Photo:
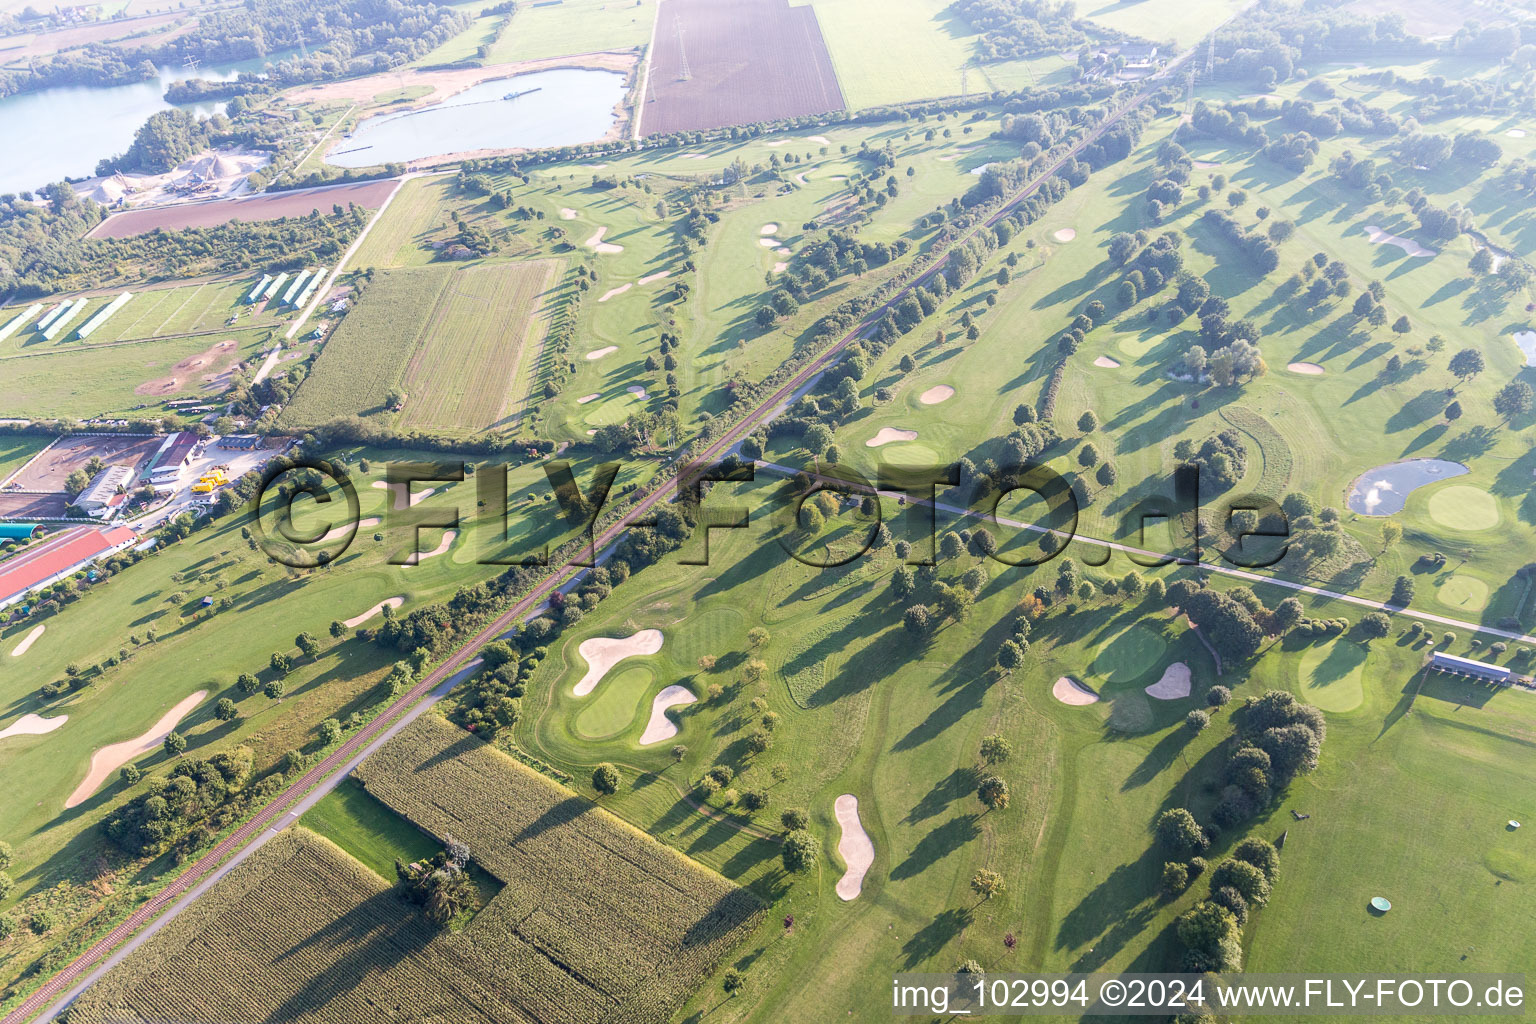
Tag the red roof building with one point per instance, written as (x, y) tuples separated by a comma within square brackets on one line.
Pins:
[(57, 557)]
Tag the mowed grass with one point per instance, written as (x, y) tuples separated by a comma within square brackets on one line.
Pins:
[(1183, 23), (487, 322), (362, 826), (16, 449), (151, 313), (574, 26), (418, 216)]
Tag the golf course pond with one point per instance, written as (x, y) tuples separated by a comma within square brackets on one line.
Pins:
[(545, 109), (1384, 490)]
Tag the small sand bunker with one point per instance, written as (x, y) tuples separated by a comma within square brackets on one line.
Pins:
[(27, 641), (648, 278), (770, 243), (1408, 245), (780, 267), (358, 620), (592, 433), (768, 229), (1174, 685), (1307, 369), (109, 759), (342, 531), (417, 557), (660, 727), (853, 846), (601, 653), (889, 434), (838, 177), (32, 725), (567, 213), (800, 178), (1070, 691), (781, 251), (584, 399), (598, 353), (404, 498), (1516, 133), (1065, 235), (820, 140), (637, 391), (610, 293), (1106, 362), (936, 394), (596, 243)]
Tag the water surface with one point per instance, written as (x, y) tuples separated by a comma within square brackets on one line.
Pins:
[(1384, 490)]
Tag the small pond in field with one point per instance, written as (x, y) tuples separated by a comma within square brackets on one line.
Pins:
[(545, 109), (1384, 490)]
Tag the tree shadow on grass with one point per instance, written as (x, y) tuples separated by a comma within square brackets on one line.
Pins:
[(931, 939), (939, 843), (1112, 912)]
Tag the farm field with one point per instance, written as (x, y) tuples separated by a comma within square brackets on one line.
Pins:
[(1164, 21), (272, 206), (402, 237), (576, 26)]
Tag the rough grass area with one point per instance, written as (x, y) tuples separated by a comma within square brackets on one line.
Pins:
[(367, 830)]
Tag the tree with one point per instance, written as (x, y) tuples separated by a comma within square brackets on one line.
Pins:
[(992, 791), (131, 774), (679, 752), (794, 819), (1197, 720), (1179, 833), (175, 744), (1211, 938), (1375, 625), (307, 645), (1009, 656), (1401, 325), (1453, 411), (757, 636), (281, 664), (1261, 853), (1391, 533), (995, 750), (1466, 364), (1088, 457), (605, 779), (274, 689), (247, 683), (1247, 879), (732, 981), (1218, 696), (1087, 423), (225, 710), (987, 883), (338, 629), (1514, 399), (800, 852), (1175, 878), (917, 620), (1402, 592)]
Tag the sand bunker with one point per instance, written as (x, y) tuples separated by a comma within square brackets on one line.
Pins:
[(1106, 362), (936, 394), (781, 251), (770, 243), (109, 759), (820, 140), (889, 434), (567, 214), (603, 652), (768, 229), (1516, 133), (416, 557), (637, 391), (660, 727), (1070, 691), (27, 641), (610, 293), (853, 846), (32, 725), (358, 620), (1174, 685), (1408, 245), (648, 278), (1309, 369), (1527, 342), (596, 243), (780, 267), (598, 353), (584, 399), (404, 498), (800, 179), (342, 531), (1064, 235)]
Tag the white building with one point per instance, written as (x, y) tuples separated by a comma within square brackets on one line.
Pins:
[(104, 488)]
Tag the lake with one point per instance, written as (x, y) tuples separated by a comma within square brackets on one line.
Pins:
[(565, 107), (63, 132), (1384, 490)]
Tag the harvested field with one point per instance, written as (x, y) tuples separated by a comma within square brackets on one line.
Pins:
[(52, 466), (201, 369), (299, 203), (750, 60)]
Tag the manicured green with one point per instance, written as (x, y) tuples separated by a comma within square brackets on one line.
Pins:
[(352, 819)]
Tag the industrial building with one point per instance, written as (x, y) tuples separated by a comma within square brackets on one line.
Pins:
[(172, 455), (1442, 662), (57, 558), (103, 488)]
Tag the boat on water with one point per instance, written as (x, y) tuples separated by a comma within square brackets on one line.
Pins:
[(524, 92)]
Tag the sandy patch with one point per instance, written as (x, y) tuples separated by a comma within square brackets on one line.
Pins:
[(1408, 245), (769, 243), (27, 641), (417, 557), (853, 846), (1065, 235), (584, 399), (889, 434), (660, 727), (598, 353), (110, 758), (404, 498), (566, 213), (820, 140), (1174, 685), (358, 620), (768, 229), (648, 278), (601, 653), (781, 251), (1070, 691), (1307, 369), (594, 167), (33, 725), (637, 391), (342, 531), (610, 293), (596, 243), (780, 267), (936, 394), (800, 178), (1105, 362), (1516, 133), (183, 371), (592, 433)]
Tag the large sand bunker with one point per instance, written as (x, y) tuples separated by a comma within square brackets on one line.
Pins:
[(1070, 691), (1516, 133), (770, 243), (853, 846), (1408, 245), (936, 394), (780, 267), (1065, 235), (109, 759), (404, 498), (598, 353), (584, 399), (417, 557), (768, 229), (27, 641), (648, 278), (889, 434), (358, 620), (596, 243), (601, 653), (1106, 363), (32, 725), (1306, 369), (1174, 685), (611, 292), (566, 213), (342, 531), (660, 727)]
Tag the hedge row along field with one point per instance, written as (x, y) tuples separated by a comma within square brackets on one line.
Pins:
[(596, 922), (636, 925)]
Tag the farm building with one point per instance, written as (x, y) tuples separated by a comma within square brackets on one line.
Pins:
[(19, 320), (242, 442), (57, 558), (103, 488), (89, 327), (19, 531), (261, 286), (171, 457), (1443, 662), (275, 286), (52, 315), (1139, 53), (314, 283), (294, 287), (62, 320)]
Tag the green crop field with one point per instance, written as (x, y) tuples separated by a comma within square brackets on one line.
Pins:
[(575, 26), (416, 217)]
